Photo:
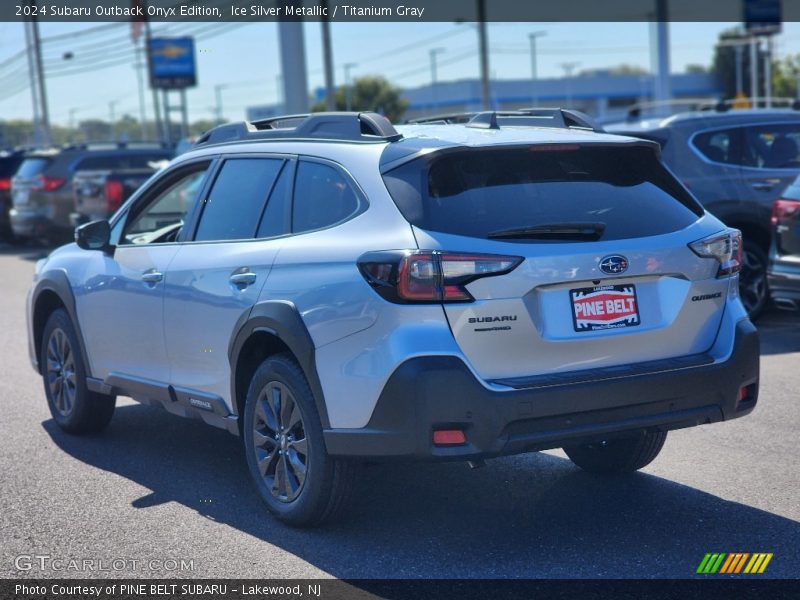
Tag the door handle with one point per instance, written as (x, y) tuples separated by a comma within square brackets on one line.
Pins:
[(242, 280), (762, 187), (152, 277)]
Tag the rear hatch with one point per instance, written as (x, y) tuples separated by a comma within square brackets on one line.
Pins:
[(605, 274), (30, 178), (786, 220)]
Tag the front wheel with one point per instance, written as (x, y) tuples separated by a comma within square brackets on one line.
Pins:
[(74, 407), (620, 455), (286, 456)]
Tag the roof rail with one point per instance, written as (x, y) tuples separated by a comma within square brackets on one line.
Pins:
[(536, 117), (445, 119), (344, 126)]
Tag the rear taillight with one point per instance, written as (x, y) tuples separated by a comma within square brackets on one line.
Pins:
[(47, 184), (424, 276), (113, 195), (5, 184), (725, 247), (784, 209)]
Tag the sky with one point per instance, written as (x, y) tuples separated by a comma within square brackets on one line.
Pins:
[(244, 59)]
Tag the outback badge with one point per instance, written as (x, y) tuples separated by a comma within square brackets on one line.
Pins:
[(614, 264)]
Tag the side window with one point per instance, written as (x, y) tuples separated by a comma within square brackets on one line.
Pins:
[(772, 146), (275, 220), (237, 198), (161, 219), (322, 197), (720, 146), (101, 162)]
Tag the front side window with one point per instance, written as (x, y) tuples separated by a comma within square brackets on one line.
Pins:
[(162, 217), (322, 197), (234, 205)]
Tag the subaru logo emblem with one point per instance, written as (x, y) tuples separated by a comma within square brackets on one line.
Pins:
[(614, 264)]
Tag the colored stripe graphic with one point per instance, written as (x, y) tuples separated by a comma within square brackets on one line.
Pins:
[(732, 563)]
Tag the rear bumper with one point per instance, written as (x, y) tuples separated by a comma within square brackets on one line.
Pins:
[(440, 392), (783, 277), (36, 223)]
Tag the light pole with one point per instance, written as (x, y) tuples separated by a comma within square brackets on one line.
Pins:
[(569, 67), (434, 52), (348, 92), (112, 118), (534, 71), (483, 48), (218, 95)]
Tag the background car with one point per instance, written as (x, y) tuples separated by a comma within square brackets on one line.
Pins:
[(784, 256), (42, 187), (9, 163), (735, 163)]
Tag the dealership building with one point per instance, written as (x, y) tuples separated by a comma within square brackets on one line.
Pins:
[(604, 95)]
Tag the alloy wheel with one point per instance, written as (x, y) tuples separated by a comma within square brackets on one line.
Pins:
[(61, 378), (279, 442), (752, 281)]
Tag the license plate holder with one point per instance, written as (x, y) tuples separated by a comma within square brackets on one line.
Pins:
[(604, 307)]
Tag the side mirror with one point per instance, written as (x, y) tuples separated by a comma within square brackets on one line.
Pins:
[(93, 236)]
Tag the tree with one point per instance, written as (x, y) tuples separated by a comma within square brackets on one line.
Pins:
[(786, 77), (696, 69), (371, 93)]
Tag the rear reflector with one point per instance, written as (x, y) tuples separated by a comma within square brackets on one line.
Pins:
[(449, 437)]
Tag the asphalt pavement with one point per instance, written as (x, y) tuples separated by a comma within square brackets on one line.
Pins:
[(155, 490)]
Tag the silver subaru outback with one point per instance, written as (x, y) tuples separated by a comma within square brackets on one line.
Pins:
[(332, 289)]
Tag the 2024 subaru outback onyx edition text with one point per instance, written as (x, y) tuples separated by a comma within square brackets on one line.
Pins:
[(331, 289)]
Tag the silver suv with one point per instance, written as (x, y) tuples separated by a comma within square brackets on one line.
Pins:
[(333, 289)]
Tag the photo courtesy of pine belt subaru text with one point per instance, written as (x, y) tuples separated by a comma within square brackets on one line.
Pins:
[(334, 289)]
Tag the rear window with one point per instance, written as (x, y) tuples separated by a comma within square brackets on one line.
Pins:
[(477, 192), (31, 167), (9, 165)]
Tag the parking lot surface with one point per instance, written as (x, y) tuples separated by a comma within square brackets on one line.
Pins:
[(156, 490)]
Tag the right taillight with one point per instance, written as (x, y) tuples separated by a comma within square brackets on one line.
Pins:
[(784, 209), (114, 193), (726, 247), (423, 276), (5, 184)]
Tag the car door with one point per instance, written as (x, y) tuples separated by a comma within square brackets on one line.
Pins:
[(216, 277), (120, 306), (771, 161)]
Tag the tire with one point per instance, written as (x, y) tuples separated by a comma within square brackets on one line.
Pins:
[(74, 407), (753, 289), (621, 455), (299, 483)]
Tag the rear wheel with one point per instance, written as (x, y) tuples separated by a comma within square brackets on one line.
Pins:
[(753, 279), (620, 455), (74, 407), (286, 456)]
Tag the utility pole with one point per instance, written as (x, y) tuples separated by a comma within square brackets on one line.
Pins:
[(660, 30), (38, 134), (160, 125), (739, 70), (434, 87), (218, 95), (768, 72), (534, 71), (36, 47), (112, 121), (140, 84), (483, 45), (754, 70), (293, 64), (327, 59), (348, 91)]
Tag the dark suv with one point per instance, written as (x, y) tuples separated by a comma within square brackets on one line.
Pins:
[(736, 163), (42, 187), (9, 163)]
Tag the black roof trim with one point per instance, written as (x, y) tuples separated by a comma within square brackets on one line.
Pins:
[(337, 126)]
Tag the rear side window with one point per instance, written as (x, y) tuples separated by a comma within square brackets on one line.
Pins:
[(478, 192), (322, 197), (31, 167), (234, 205), (723, 146)]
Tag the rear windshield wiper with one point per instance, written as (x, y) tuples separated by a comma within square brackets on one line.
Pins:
[(552, 231)]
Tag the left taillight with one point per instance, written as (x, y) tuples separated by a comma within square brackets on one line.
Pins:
[(430, 276), (5, 184), (783, 209), (114, 195), (726, 247)]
